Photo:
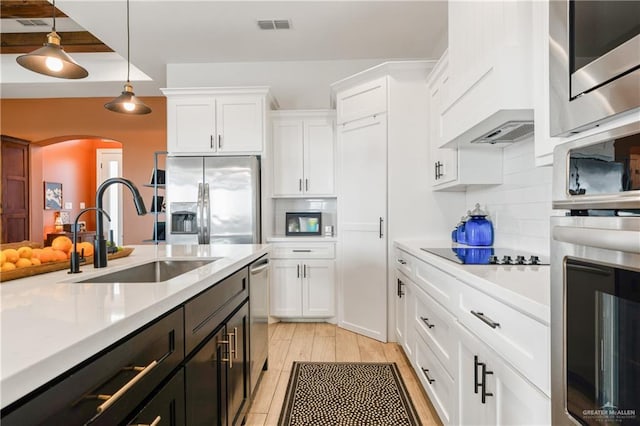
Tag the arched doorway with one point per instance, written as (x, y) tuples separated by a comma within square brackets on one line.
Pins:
[(71, 162)]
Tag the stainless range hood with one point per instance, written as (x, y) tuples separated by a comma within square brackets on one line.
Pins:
[(505, 126)]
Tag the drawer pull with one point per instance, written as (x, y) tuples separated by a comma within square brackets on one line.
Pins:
[(301, 250), (425, 371), (402, 262), (426, 321), (155, 422), (110, 399), (482, 317)]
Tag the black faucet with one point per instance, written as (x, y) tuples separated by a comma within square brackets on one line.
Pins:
[(75, 257), (100, 249)]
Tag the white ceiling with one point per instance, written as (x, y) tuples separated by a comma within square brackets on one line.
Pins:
[(206, 31)]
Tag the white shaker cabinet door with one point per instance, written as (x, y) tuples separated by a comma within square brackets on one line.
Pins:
[(319, 148), (239, 121), (318, 288), (286, 288), (191, 125), (287, 157), (362, 210)]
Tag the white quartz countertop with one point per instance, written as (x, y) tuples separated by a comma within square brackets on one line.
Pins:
[(524, 287), (50, 322), (285, 239)]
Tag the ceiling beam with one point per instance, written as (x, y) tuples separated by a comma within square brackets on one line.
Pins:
[(73, 41), (28, 9)]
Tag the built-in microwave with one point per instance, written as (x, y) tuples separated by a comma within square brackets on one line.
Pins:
[(594, 63), (303, 223)]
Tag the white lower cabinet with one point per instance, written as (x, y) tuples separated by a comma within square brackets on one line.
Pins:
[(473, 373), (303, 287), (491, 392)]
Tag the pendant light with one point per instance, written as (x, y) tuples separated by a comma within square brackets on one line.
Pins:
[(127, 102), (51, 59)]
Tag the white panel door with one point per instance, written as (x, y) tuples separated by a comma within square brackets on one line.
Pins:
[(286, 288), (318, 285), (191, 125), (362, 209), (287, 157), (319, 157), (239, 122)]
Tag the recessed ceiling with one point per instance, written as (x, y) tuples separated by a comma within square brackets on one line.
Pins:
[(205, 31)]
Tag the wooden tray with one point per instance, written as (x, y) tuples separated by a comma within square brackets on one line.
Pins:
[(55, 266)]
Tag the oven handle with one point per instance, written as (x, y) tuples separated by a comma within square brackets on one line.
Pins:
[(619, 240)]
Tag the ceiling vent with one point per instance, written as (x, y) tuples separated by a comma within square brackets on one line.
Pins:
[(33, 22), (274, 24)]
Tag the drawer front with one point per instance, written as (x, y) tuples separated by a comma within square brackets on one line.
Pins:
[(137, 365), (166, 408), (440, 387), (403, 262), (362, 101), (519, 339), (204, 313), (437, 328), (439, 285), (304, 251)]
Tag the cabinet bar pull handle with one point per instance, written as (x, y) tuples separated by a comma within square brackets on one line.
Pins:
[(304, 271), (476, 364), (399, 288), (300, 185), (426, 321), (219, 141), (211, 141), (402, 262), (229, 358), (301, 250), (232, 350), (235, 342), (485, 394), (435, 170), (155, 422), (143, 371), (485, 319), (298, 267), (381, 221), (425, 371), (306, 184)]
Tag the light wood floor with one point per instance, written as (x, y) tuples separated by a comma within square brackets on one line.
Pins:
[(290, 342)]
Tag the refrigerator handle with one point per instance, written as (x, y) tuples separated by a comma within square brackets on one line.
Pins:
[(199, 213), (206, 234)]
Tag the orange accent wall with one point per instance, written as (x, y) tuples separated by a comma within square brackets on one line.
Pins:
[(46, 121)]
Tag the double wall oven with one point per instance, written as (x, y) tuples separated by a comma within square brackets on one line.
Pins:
[(595, 280)]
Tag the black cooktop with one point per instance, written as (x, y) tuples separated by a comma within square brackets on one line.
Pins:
[(488, 256)]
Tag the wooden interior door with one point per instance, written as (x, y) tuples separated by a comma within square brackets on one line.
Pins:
[(14, 209)]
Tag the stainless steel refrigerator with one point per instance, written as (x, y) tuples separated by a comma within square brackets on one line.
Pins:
[(213, 200)]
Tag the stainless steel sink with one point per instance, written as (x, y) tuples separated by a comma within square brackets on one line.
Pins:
[(152, 272)]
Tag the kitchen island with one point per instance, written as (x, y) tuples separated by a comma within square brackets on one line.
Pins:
[(52, 322)]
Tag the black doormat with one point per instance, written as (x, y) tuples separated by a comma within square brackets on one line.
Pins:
[(347, 394)]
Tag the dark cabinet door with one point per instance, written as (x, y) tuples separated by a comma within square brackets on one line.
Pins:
[(206, 382), (238, 380), (166, 408), (14, 208)]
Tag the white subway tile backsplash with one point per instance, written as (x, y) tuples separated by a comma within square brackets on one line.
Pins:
[(521, 206)]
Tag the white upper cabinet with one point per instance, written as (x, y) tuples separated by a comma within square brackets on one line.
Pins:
[(455, 169), (216, 121), (365, 100), (490, 70), (303, 153)]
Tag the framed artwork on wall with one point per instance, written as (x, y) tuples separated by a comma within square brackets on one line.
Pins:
[(52, 196)]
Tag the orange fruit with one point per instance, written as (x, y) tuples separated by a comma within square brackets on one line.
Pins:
[(46, 256), (35, 253), (87, 246), (59, 255), (3, 258), (25, 252), (8, 266), (62, 243), (11, 255), (23, 263), (35, 261)]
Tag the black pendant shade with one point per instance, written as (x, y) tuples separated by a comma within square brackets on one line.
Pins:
[(128, 103)]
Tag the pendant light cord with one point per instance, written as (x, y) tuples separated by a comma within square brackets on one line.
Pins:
[(128, 44), (54, 16)]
